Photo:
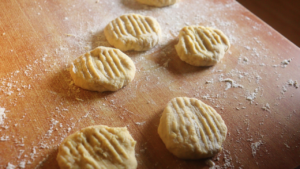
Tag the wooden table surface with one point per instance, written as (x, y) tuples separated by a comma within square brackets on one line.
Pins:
[(39, 39)]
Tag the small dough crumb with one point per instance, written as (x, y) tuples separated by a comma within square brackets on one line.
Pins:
[(2, 115), (10, 166), (231, 84), (255, 146)]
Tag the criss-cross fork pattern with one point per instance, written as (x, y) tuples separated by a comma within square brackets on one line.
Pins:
[(93, 145)]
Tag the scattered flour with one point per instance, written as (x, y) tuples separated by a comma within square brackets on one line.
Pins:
[(252, 96), (4, 138), (52, 125), (231, 84), (140, 123), (22, 164), (227, 160), (2, 115), (287, 146), (255, 147), (33, 153), (284, 89), (206, 97), (10, 166)]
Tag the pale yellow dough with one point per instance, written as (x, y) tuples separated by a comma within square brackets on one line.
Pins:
[(133, 32), (98, 147), (191, 129), (201, 46), (157, 3), (102, 69)]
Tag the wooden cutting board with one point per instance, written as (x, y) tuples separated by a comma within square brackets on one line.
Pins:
[(39, 39)]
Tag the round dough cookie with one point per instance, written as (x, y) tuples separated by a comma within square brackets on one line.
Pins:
[(201, 46), (98, 147), (133, 32), (102, 69), (158, 3), (191, 129)]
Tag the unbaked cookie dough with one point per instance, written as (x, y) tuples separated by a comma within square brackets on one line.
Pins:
[(102, 69), (201, 46), (133, 32), (98, 147), (158, 3), (191, 129)]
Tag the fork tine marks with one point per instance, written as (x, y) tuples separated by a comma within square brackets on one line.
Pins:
[(100, 69)]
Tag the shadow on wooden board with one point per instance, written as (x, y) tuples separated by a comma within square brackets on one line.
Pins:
[(99, 39), (167, 57), (62, 84)]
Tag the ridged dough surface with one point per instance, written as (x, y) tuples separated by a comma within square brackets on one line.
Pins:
[(133, 32), (98, 147), (191, 129), (102, 69), (157, 3), (201, 46)]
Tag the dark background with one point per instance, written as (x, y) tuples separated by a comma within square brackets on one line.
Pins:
[(282, 15)]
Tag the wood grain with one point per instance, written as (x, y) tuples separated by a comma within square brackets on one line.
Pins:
[(39, 40)]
